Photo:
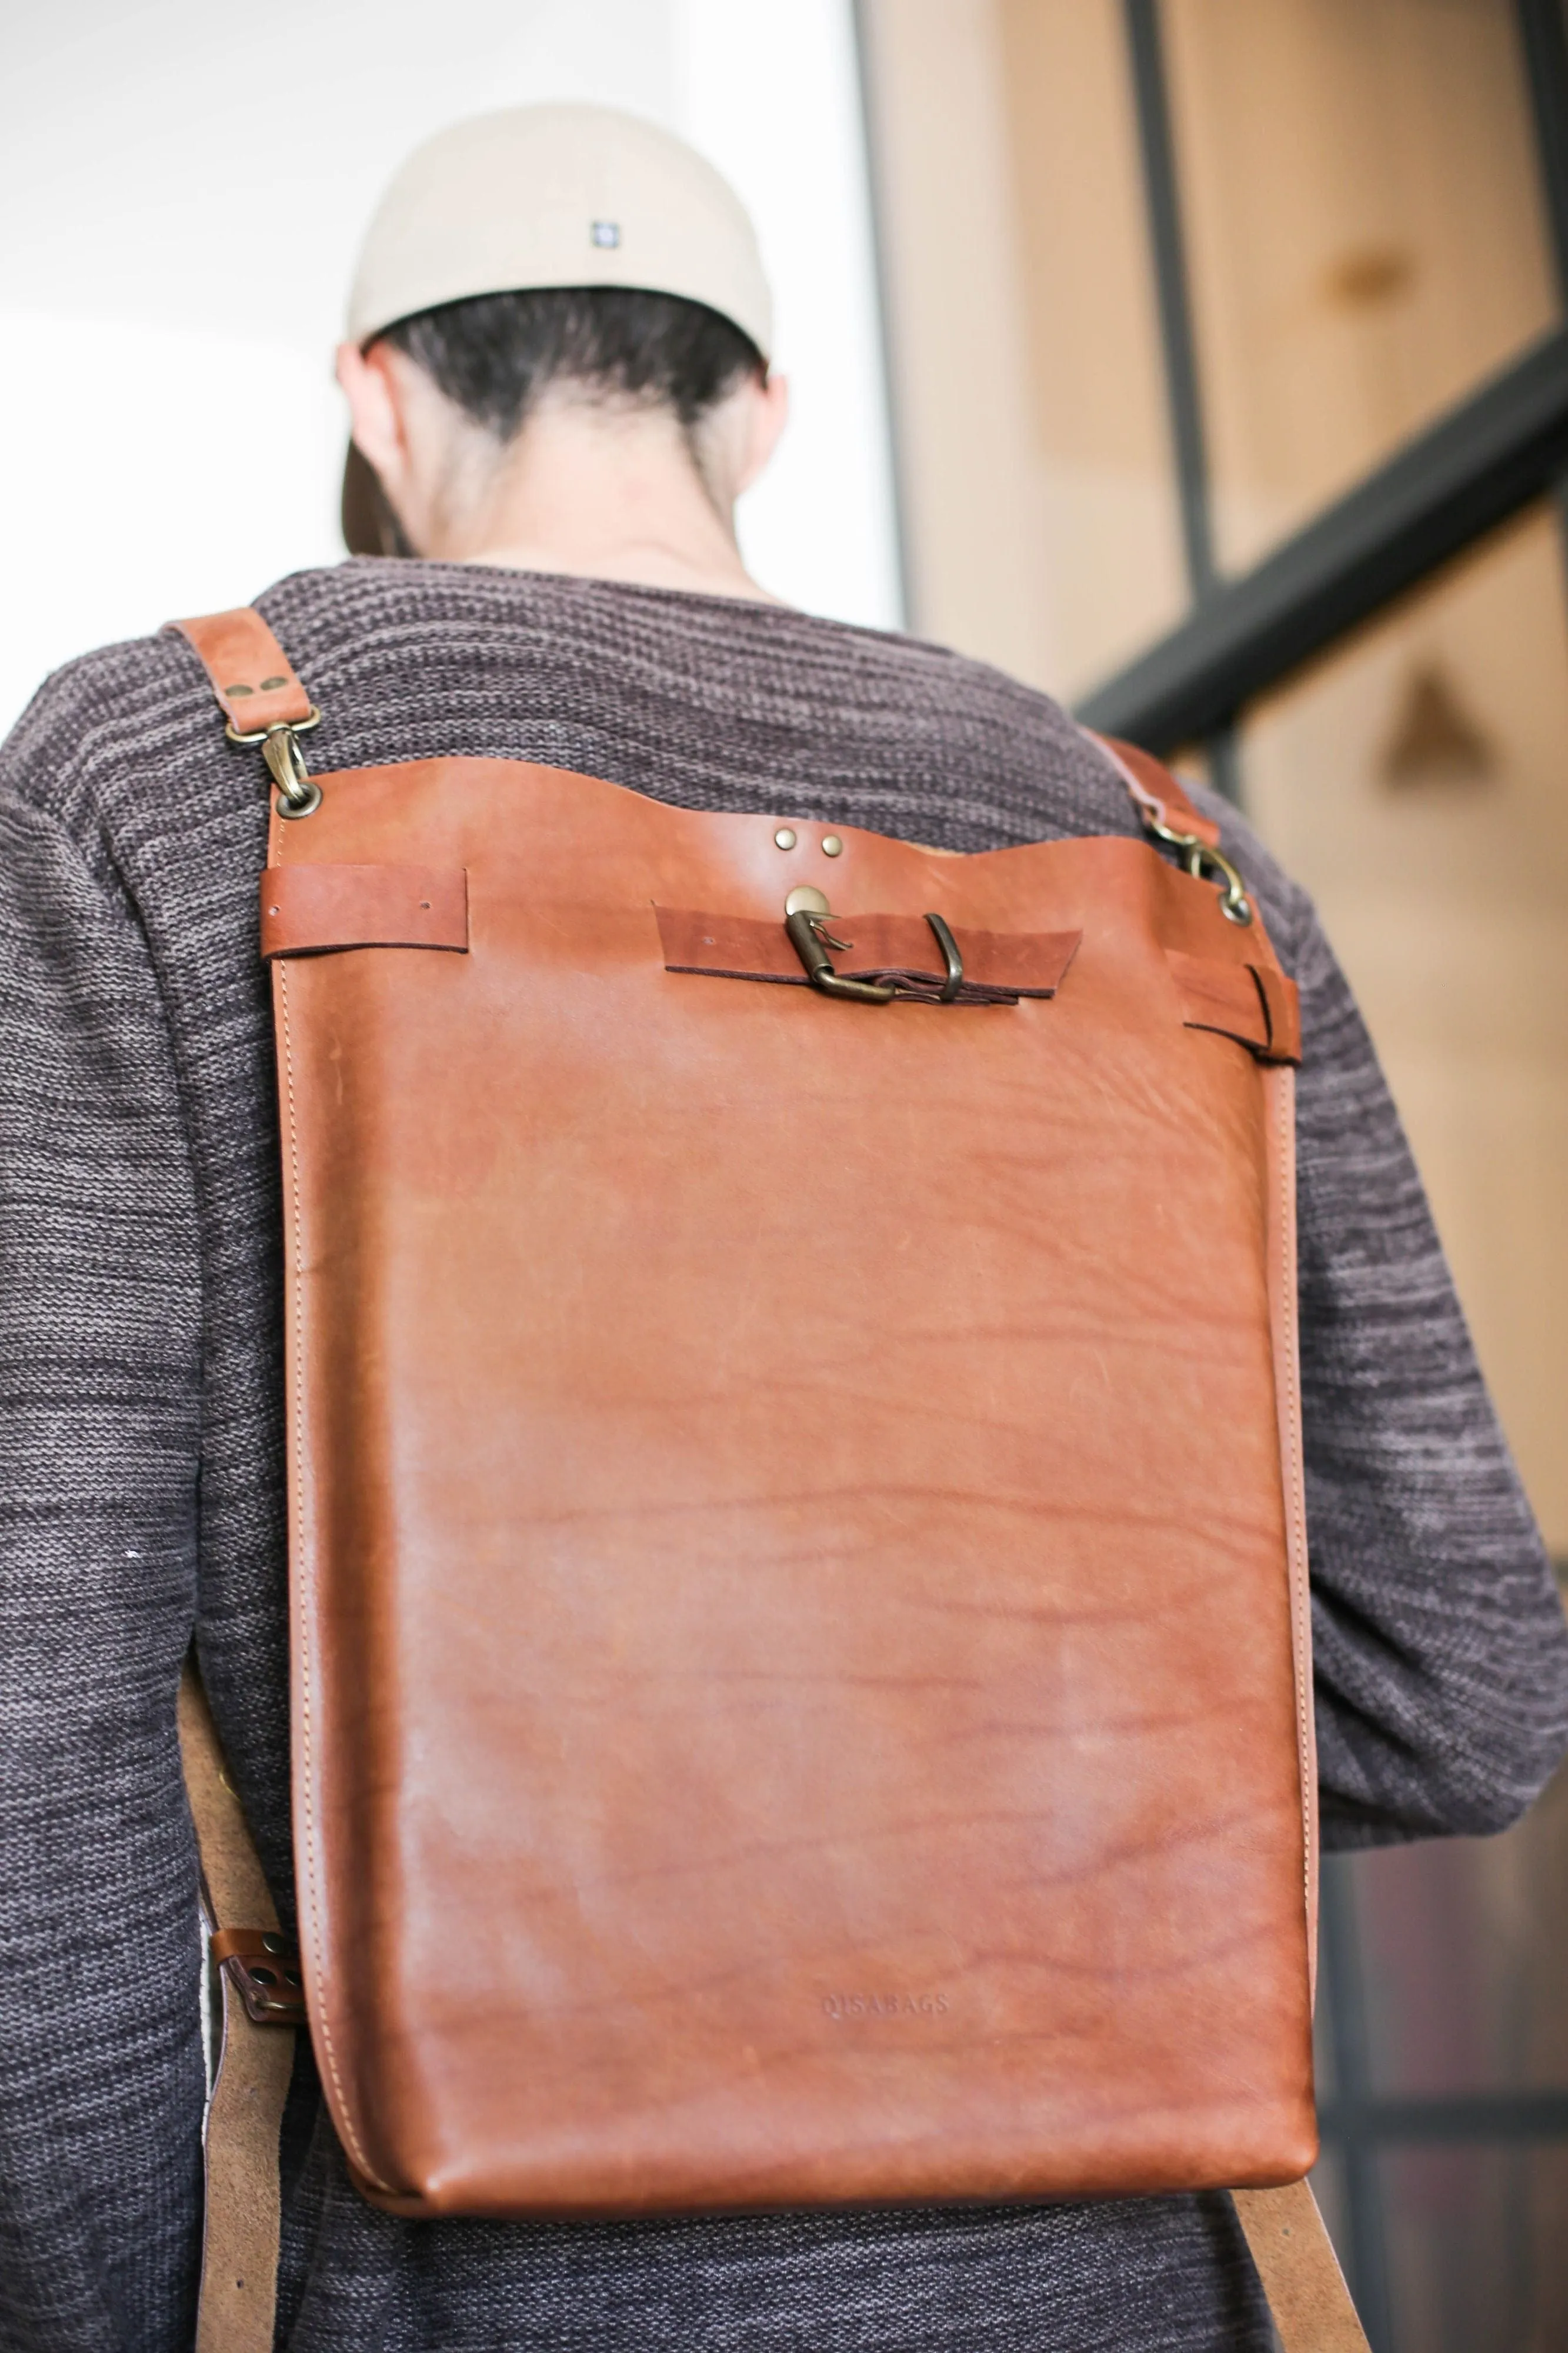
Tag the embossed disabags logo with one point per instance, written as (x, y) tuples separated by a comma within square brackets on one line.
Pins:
[(884, 2005)]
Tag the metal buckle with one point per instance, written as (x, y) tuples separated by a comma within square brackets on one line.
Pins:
[(811, 939)]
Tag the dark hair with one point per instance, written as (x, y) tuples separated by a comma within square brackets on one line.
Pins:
[(493, 354)]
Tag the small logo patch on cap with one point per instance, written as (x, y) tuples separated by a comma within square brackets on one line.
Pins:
[(604, 232)]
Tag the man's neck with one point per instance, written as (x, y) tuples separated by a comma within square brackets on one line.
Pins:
[(608, 493)]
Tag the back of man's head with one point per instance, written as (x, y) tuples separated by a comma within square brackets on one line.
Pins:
[(570, 250)]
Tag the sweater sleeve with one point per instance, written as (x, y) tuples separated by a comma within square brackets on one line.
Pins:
[(1439, 1643), (100, 2064)]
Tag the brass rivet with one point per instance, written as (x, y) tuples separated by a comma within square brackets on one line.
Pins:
[(271, 685), (786, 837), (239, 690), (805, 899), (831, 844)]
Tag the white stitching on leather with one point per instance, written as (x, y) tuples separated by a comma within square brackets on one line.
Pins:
[(297, 1291), (1295, 1496)]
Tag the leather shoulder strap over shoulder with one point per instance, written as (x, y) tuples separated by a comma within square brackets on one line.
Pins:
[(1169, 816), (261, 698), (1156, 793), (251, 675), (258, 1968)]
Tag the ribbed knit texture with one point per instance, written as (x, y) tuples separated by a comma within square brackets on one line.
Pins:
[(142, 1476)]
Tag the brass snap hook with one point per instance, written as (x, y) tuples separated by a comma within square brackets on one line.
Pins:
[(811, 940), (298, 794), (1234, 903), (1204, 862)]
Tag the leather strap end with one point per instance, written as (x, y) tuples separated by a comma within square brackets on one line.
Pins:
[(1282, 1004), (1256, 1004)]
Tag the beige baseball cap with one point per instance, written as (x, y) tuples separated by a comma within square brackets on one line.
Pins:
[(558, 196)]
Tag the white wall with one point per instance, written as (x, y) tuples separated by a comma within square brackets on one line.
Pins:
[(183, 184)]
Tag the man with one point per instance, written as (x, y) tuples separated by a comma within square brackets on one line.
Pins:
[(557, 369)]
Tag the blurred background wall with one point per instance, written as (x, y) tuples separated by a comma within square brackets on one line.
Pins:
[(183, 185), (1231, 386), (1216, 349)]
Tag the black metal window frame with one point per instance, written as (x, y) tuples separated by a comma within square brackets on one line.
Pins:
[(1477, 464)]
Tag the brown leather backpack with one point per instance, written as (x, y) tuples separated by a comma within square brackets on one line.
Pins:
[(801, 1672)]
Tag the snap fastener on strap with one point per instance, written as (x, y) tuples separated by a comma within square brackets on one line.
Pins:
[(264, 1964)]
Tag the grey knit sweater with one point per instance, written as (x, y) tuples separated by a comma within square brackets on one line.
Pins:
[(141, 1476)]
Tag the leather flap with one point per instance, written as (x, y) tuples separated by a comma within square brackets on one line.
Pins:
[(313, 910), (1254, 1004), (742, 948)]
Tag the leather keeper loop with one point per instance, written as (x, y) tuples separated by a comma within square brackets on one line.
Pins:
[(996, 966), (319, 910)]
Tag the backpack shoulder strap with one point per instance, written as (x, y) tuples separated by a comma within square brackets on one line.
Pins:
[(1156, 794), (1301, 2273), (251, 675), (260, 697), (256, 2055)]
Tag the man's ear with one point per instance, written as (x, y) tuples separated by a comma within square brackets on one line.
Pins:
[(769, 414), (376, 420)]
